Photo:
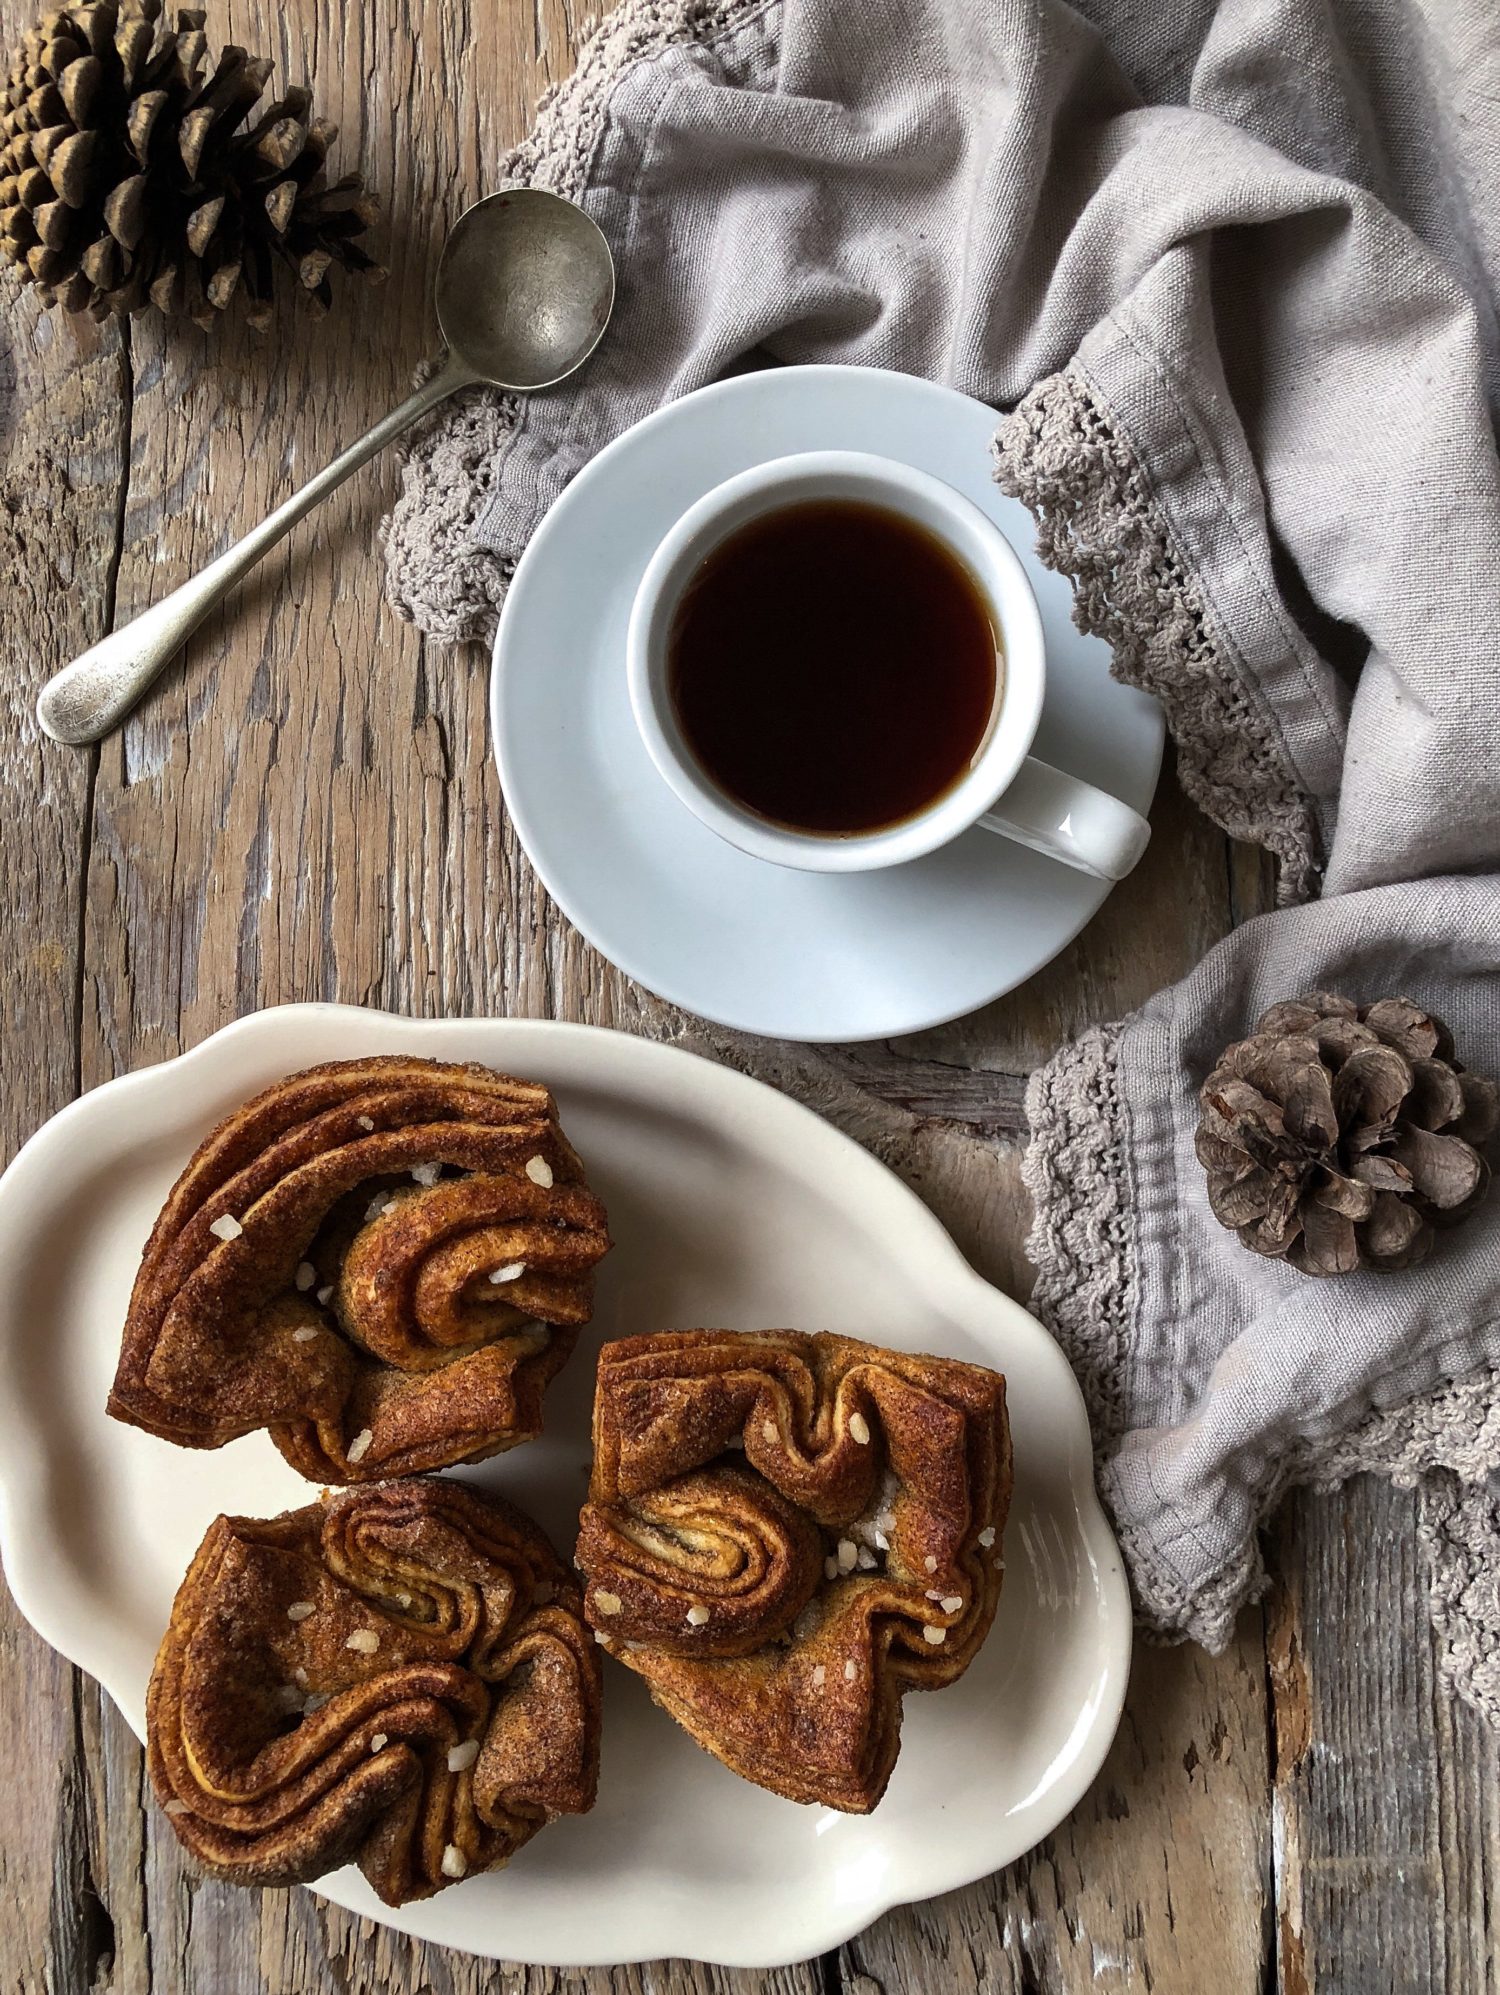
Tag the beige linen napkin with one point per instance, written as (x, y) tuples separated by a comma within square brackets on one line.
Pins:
[(1227, 272)]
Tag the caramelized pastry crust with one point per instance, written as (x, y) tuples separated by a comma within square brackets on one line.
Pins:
[(397, 1677), (383, 1261), (786, 1533)]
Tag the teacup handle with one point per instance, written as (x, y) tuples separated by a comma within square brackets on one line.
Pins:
[(1070, 820)]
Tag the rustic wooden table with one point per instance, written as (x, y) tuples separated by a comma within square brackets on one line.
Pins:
[(306, 808)]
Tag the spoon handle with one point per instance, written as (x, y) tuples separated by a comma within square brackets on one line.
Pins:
[(90, 697)]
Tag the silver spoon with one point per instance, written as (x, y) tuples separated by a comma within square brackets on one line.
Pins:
[(524, 291)]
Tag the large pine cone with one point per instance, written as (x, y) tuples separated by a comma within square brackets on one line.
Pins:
[(128, 176), (1338, 1137)]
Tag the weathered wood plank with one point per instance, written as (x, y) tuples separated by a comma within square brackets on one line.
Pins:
[(1387, 1835), (63, 455)]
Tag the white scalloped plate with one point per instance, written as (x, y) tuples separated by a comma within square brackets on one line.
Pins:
[(731, 1206)]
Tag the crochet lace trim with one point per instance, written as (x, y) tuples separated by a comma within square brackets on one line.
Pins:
[(438, 574), (1444, 1442), (1082, 1238), (1099, 524)]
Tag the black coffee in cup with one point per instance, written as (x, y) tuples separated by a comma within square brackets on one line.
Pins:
[(834, 667)]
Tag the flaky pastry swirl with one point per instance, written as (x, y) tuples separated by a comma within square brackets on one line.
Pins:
[(785, 1533), (398, 1677), (383, 1261)]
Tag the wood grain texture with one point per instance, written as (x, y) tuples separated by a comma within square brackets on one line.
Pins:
[(306, 808), (58, 511), (1385, 1789), (1154, 1881)]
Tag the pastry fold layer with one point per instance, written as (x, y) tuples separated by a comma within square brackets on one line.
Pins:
[(399, 1677), (785, 1533), (384, 1262)]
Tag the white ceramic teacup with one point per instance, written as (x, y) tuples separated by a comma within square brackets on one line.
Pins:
[(1005, 789)]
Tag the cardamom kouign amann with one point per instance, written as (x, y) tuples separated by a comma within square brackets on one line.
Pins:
[(398, 1677), (1340, 1137), (382, 1261), (786, 1533)]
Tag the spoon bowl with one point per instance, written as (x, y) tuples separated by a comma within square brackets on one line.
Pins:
[(525, 289)]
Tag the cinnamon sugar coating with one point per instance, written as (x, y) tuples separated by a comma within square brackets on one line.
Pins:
[(397, 1677), (786, 1533), (322, 1268)]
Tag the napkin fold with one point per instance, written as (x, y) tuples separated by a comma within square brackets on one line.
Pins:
[(1226, 271)]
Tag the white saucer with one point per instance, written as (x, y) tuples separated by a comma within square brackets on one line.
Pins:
[(751, 945)]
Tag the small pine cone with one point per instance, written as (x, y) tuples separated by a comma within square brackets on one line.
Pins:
[(1338, 1136), (129, 177)]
